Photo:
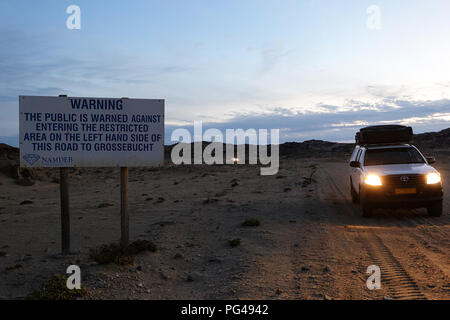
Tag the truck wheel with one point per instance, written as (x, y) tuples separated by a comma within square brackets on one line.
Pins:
[(435, 210), (355, 197), (366, 211), (365, 207)]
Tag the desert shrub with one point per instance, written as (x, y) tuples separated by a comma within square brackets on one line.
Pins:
[(160, 200), (104, 205), (252, 222), (178, 256), (210, 200), (235, 242), (115, 253), (142, 245), (56, 289), (14, 266)]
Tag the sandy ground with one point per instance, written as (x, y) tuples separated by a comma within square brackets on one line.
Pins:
[(312, 242)]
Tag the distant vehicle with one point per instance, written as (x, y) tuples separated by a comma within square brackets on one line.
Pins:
[(388, 172)]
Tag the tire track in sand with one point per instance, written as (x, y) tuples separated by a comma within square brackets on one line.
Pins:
[(400, 284)]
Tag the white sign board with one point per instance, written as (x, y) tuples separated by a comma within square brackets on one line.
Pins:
[(90, 132)]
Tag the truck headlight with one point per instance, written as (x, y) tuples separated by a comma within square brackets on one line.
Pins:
[(433, 178), (373, 180)]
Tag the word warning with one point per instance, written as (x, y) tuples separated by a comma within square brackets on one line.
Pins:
[(90, 132)]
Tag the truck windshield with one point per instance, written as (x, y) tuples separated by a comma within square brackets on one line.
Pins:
[(378, 157)]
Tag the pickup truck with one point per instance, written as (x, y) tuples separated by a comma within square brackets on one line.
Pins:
[(394, 175)]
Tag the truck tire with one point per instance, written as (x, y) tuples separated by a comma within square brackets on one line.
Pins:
[(366, 211), (366, 208), (435, 210), (355, 197)]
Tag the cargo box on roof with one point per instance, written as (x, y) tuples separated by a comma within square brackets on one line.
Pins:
[(385, 134)]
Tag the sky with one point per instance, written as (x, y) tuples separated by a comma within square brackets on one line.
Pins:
[(315, 69)]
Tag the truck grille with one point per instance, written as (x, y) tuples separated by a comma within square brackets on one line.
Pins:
[(404, 180)]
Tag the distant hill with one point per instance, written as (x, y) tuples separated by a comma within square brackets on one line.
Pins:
[(9, 156), (429, 142), (433, 140), (322, 149)]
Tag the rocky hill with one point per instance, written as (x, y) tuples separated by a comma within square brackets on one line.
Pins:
[(428, 142), (433, 140)]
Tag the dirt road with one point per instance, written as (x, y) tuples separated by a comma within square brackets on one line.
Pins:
[(411, 248), (320, 247), (312, 242)]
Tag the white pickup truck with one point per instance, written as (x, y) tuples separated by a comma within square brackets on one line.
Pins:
[(394, 175)]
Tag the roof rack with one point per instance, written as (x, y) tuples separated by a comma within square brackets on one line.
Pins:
[(368, 145), (383, 135)]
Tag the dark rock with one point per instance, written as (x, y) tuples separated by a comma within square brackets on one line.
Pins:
[(26, 182), (305, 269), (178, 256)]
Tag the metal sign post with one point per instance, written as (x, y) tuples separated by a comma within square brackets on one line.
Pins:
[(124, 218), (65, 215)]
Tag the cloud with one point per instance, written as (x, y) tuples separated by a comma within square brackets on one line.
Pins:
[(36, 65), (275, 94), (270, 56), (338, 123), (32, 63), (326, 122)]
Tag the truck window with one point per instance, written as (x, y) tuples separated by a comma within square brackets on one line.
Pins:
[(358, 156), (378, 157), (353, 157)]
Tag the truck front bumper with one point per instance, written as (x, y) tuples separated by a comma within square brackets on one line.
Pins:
[(386, 197)]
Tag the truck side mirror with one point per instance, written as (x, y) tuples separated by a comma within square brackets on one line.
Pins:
[(431, 160), (355, 164)]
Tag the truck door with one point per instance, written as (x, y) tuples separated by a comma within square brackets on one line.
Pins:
[(353, 173), (358, 175)]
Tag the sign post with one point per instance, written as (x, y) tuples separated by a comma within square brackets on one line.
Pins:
[(124, 218), (64, 132), (65, 216), (65, 213)]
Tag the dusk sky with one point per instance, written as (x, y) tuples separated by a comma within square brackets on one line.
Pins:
[(314, 68)]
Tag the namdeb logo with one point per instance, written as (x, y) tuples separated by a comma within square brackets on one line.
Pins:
[(31, 159)]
